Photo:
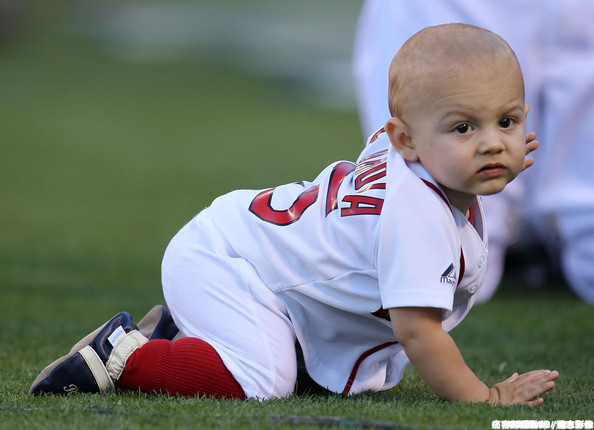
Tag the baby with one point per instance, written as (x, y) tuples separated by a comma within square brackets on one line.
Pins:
[(354, 274)]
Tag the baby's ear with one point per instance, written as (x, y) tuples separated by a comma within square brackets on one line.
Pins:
[(399, 135)]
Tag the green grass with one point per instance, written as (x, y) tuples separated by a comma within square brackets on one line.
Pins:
[(103, 161), (548, 328)]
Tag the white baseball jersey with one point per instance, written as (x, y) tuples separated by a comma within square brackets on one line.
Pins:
[(554, 42), (333, 255)]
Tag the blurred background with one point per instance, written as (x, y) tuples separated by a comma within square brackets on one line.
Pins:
[(119, 120)]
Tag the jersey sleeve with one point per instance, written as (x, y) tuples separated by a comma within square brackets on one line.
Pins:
[(418, 248)]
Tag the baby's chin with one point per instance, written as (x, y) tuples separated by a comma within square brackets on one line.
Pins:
[(497, 185), (494, 189)]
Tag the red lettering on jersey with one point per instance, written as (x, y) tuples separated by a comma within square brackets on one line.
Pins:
[(373, 159), (362, 205), (370, 175), (261, 207), (367, 171), (376, 135), (370, 169), (380, 186), (340, 171)]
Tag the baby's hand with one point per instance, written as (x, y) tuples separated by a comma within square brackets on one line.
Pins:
[(531, 145), (523, 388)]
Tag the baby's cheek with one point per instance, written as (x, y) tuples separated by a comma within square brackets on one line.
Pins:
[(516, 165)]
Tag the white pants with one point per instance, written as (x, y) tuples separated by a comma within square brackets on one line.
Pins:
[(554, 41), (215, 296)]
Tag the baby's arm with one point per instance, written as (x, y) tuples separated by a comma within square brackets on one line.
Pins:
[(434, 354)]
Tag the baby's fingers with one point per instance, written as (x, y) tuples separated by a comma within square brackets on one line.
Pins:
[(526, 388), (536, 402), (529, 162), (530, 137), (534, 384), (512, 378), (532, 146), (539, 376)]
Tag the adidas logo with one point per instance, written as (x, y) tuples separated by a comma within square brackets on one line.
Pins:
[(448, 277)]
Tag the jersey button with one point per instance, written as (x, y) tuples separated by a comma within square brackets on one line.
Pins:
[(375, 367), (481, 260), (473, 289)]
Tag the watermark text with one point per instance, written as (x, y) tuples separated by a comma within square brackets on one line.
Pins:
[(543, 424)]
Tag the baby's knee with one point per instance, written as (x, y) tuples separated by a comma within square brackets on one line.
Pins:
[(264, 383)]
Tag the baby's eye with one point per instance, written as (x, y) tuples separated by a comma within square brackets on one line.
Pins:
[(462, 128), (506, 123)]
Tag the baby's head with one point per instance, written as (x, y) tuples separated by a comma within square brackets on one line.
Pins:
[(435, 53), (457, 102)]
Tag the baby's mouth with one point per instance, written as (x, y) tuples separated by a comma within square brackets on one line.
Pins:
[(491, 170)]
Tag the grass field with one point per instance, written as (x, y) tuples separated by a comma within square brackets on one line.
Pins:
[(102, 161)]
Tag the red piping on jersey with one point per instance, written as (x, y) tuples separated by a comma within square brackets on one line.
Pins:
[(470, 215), (363, 356), (440, 194), (438, 191), (373, 350)]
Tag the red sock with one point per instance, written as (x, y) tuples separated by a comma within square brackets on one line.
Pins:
[(186, 367)]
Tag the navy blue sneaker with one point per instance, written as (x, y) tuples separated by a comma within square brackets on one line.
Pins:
[(158, 324), (95, 363)]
